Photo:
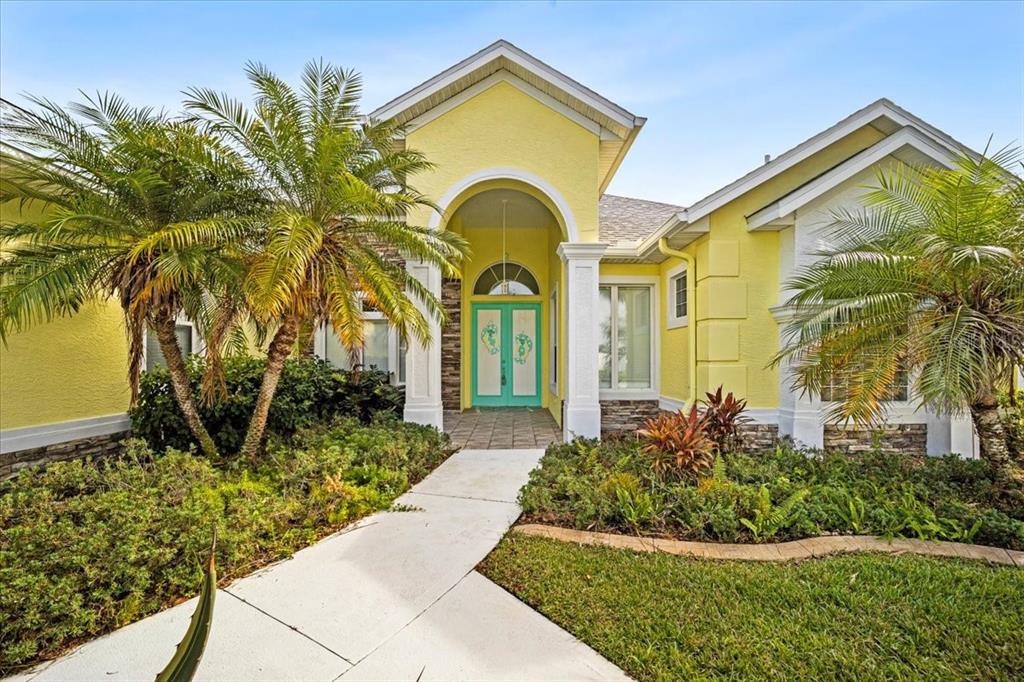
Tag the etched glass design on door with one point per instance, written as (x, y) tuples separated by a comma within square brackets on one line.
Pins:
[(524, 352), (489, 352)]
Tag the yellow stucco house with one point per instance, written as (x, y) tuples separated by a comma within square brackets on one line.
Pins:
[(598, 308)]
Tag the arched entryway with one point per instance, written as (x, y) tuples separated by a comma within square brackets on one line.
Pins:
[(508, 215), (503, 353)]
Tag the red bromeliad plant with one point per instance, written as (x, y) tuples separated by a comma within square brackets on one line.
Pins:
[(724, 416), (678, 443)]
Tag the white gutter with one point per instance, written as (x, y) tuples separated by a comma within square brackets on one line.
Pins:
[(691, 312)]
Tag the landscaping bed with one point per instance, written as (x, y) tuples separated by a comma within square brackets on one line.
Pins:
[(782, 494), (88, 546), (863, 616)]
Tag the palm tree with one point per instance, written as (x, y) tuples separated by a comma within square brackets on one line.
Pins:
[(927, 278), (123, 203), (339, 196)]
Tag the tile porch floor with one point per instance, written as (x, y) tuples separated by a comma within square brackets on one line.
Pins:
[(502, 428)]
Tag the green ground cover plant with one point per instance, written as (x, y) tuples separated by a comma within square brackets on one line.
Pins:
[(783, 494), (853, 617), (87, 546)]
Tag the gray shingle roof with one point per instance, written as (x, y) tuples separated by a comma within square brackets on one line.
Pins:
[(624, 220)]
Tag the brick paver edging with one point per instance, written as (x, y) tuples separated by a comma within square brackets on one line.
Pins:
[(782, 551)]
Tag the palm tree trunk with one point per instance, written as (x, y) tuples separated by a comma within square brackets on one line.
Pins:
[(279, 350), (307, 331), (992, 439), (163, 325)]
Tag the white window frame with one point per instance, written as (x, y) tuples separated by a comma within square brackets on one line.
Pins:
[(652, 392), (394, 357), (553, 319), (672, 321), (198, 347)]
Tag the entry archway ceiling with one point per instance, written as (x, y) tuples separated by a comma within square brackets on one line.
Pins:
[(523, 211)]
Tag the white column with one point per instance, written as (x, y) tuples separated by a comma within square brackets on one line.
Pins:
[(808, 426), (582, 410), (951, 433), (423, 363), (800, 417)]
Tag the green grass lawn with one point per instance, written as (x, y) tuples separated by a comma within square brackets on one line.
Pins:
[(858, 617)]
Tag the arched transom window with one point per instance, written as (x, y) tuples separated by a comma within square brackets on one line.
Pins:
[(506, 279)]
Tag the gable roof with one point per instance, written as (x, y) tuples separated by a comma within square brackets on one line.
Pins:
[(882, 114), (624, 221), (501, 60), (908, 144)]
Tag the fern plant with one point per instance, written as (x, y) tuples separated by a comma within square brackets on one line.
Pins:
[(769, 519)]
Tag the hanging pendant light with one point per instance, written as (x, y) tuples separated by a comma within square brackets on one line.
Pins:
[(504, 252)]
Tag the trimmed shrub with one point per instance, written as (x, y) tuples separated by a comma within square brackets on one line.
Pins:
[(311, 391)]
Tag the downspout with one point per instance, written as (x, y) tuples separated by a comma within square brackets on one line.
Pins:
[(691, 312)]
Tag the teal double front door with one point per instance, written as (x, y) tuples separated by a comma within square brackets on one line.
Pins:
[(506, 354)]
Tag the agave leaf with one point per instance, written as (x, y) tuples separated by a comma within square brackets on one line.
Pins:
[(182, 668)]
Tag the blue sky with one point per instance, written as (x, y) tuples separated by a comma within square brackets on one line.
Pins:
[(721, 84)]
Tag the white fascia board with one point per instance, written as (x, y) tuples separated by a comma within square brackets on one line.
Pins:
[(512, 53), (882, 108), (777, 215), (620, 251), (627, 144), (680, 227), (503, 76)]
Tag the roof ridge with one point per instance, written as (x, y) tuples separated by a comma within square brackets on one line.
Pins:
[(647, 201)]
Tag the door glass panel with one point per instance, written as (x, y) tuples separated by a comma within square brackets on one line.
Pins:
[(633, 324), (488, 340), (604, 353), (524, 352)]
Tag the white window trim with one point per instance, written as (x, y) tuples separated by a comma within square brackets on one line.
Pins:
[(320, 345), (553, 322), (198, 347), (671, 321), (652, 392)]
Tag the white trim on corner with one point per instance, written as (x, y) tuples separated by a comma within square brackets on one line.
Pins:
[(508, 173), (671, 320), (763, 415), (30, 437), (670, 404)]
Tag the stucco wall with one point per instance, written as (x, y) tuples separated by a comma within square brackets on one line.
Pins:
[(737, 284), (71, 368), (504, 127)]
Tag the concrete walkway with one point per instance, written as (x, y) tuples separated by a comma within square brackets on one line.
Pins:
[(391, 597)]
